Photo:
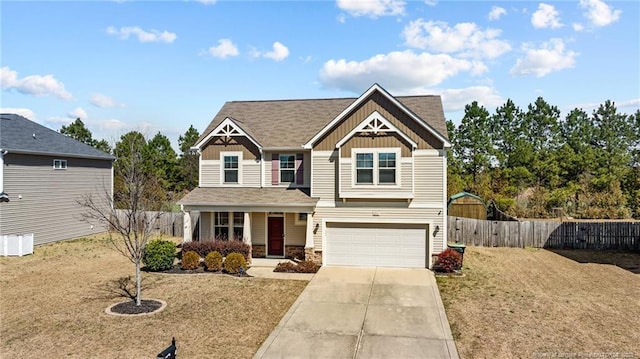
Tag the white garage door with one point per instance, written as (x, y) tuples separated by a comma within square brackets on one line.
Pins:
[(376, 245)]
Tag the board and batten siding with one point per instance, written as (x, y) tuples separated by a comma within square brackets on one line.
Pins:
[(373, 212), (48, 205)]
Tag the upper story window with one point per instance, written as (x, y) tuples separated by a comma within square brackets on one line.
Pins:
[(230, 169), (373, 167), (60, 164), (287, 168)]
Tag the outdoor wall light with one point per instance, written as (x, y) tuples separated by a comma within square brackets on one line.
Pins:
[(435, 231)]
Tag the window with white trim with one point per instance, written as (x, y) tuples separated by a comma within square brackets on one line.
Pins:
[(221, 225), (238, 225), (287, 168), (59, 164), (376, 166), (230, 169)]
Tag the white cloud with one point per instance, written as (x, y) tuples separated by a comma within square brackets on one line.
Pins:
[(24, 112), (77, 113), (225, 49), (632, 104), (465, 39), (104, 101), (577, 27), (372, 8), (396, 71), (546, 17), (278, 53), (549, 57), (599, 13), (457, 99), (341, 18), (496, 12), (36, 85), (142, 35), (207, 2), (431, 2)]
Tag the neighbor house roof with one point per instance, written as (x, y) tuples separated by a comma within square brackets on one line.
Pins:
[(291, 123), (243, 196), (20, 135)]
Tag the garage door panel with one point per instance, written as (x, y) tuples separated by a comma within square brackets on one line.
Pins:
[(376, 245)]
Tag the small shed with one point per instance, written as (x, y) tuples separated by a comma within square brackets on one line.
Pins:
[(466, 205)]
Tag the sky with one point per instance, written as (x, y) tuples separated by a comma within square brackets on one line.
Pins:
[(166, 65)]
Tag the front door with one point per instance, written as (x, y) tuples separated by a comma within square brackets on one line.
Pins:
[(276, 236)]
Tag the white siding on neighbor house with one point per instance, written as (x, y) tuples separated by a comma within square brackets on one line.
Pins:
[(250, 173), (428, 178), (373, 212), (209, 173), (348, 188), (258, 226), (48, 206), (324, 175), (295, 235)]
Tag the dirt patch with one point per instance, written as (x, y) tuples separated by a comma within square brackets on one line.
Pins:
[(52, 304), (534, 303)]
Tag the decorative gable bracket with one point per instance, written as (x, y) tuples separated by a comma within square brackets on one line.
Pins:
[(374, 124), (227, 129)]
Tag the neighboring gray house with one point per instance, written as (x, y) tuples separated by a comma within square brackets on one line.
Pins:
[(350, 181), (42, 175)]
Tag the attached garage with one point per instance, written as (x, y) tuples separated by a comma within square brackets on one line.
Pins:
[(376, 245)]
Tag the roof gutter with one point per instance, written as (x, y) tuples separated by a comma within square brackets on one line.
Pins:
[(41, 153)]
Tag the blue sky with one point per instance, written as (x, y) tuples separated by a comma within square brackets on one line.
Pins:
[(162, 66)]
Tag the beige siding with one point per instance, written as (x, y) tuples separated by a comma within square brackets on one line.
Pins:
[(428, 179), (210, 173), (258, 227), (250, 174), (348, 188), (206, 226), (376, 212), (294, 235), (324, 175), (392, 140), (48, 206)]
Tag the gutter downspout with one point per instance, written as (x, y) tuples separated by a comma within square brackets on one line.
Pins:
[(3, 196)]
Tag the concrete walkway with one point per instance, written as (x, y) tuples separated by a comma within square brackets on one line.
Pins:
[(349, 312)]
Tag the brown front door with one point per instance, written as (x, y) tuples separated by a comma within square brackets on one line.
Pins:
[(276, 236)]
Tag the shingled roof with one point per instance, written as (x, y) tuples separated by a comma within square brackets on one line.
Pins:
[(291, 123), (20, 135)]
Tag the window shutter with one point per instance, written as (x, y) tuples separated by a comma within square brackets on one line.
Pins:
[(275, 169), (299, 168)]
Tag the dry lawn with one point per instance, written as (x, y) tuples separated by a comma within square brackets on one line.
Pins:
[(534, 303), (52, 305)]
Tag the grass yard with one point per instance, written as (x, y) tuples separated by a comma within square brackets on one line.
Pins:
[(52, 304), (534, 303)]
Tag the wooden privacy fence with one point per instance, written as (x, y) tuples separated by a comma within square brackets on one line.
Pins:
[(169, 223), (540, 234)]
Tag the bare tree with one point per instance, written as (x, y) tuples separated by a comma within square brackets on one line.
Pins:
[(129, 229)]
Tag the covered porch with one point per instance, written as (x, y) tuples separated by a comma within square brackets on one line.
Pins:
[(276, 222)]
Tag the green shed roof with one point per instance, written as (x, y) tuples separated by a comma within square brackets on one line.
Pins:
[(463, 194)]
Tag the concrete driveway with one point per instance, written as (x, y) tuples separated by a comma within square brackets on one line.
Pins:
[(350, 312)]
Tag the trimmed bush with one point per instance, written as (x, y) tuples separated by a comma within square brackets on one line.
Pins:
[(159, 255), (233, 262), (300, 267), (213, 261), (221, 246), (190, 260), (449, 260)]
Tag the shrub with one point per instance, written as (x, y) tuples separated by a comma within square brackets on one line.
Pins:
[(213, 261), (190, 260), (300, 267), (233, 262), (159, 255), (221, 246), (449, 260)]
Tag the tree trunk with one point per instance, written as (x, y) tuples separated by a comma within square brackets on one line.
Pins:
[(138, 283)]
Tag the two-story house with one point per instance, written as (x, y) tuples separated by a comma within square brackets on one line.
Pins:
[(348, 181)]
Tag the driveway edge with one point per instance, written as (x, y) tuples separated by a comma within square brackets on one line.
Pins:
[(444, 321)]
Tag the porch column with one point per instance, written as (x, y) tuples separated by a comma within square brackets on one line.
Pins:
[(246, 228), (187, 232), (309, 252)]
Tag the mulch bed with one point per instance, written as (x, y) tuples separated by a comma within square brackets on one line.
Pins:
[(177, 269), (130, 307)]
